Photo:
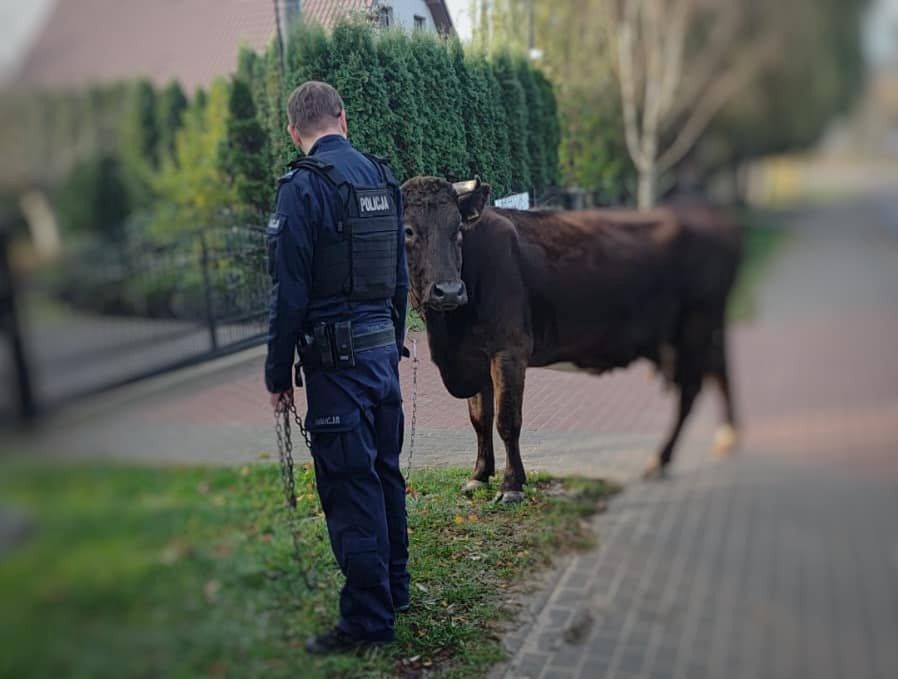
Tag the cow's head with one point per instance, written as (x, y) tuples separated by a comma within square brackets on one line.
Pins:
[(437, 214)]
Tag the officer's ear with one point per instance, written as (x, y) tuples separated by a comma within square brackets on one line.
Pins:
[(473, 197), (295, 137)]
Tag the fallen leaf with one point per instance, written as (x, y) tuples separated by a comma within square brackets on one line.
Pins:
[(472, 517), (244, 470), (169, 555), (420, 587), (211, 590), (458, 520)]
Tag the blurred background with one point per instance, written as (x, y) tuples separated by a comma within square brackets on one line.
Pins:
[(141, 143)]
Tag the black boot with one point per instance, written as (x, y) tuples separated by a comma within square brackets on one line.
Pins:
[(338, 641)]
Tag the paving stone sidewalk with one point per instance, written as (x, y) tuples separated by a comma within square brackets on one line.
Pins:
[(781, 562)]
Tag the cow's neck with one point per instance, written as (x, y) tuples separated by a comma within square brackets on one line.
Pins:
[(446, 334), (444, 331)]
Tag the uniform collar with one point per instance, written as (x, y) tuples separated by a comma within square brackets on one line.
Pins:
[(327, 143)]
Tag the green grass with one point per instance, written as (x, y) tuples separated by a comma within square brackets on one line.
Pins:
[(413, 320), (762, 238), (182, 572)]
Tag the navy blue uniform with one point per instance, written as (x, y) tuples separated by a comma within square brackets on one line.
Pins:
[(354, 413)]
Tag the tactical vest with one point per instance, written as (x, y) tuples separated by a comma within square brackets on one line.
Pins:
[(359, 259)]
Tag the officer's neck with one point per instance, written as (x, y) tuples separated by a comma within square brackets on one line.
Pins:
[(310, 147)]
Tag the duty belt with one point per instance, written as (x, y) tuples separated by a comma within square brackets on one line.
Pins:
[(335, 346)]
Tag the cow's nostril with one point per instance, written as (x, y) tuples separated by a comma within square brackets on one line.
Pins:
[(438, 291)]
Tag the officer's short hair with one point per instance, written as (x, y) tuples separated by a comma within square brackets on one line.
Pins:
[(312, 106)]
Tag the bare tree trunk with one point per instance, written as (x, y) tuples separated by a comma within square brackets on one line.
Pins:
[(662, 96), (648, 183)]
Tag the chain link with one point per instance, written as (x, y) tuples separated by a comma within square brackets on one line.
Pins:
[(285, 457), (411, 444)]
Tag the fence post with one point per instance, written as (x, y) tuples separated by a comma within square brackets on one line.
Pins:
[(207, 289), (9, 321)]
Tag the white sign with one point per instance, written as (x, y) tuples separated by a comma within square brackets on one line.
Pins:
[(516, 201)]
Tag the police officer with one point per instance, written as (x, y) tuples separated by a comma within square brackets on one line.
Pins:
[(337, 261)]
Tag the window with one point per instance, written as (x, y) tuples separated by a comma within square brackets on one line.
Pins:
[(384, 17), (420, 22)]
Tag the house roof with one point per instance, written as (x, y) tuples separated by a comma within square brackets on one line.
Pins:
[(96, 41), (328, 12), (89, 41), (441, 18)]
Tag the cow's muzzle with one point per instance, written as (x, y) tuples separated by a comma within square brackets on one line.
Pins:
[(446, 296)]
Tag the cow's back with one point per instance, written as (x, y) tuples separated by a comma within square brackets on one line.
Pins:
[(617, 279)]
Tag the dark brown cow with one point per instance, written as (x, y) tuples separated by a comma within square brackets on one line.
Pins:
[(505, 289)]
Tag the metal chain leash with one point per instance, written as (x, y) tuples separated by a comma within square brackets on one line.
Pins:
[(285, 457), (411, 445), (284, 436)]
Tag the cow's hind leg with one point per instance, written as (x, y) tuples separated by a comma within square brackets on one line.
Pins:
[(480, 409), (726, 438), (507, 372), (692, 350), (688, 392)]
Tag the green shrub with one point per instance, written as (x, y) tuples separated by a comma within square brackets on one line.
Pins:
[(357, 75), (172, 103), (404, 94), (550, 128), (445, 150), (535, 126), (243, 150), (515, 105)]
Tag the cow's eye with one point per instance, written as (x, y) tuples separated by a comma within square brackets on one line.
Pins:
[(409, 232)]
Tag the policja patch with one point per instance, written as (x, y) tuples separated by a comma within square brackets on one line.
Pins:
[(374, 202)]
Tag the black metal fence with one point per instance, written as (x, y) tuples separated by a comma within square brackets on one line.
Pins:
[(108, 314)]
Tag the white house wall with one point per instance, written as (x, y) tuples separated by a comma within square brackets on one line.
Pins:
[(404, 12)]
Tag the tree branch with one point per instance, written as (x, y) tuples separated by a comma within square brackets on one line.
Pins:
[(705, 64), (747, 67), (674, 50), (652, 46), (626, 25)]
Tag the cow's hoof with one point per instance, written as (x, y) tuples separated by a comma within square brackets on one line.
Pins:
[(509, 497), (472, 485), (654, 471), (725, 441)]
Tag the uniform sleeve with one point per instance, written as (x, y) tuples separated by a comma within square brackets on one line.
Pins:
[(290, 248), (400, 297)]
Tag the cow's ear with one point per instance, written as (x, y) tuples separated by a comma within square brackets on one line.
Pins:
[(471, 204)]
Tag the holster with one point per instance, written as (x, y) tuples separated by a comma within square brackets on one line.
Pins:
[(328, 347)]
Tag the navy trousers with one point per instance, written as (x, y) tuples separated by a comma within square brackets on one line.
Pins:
[(356, 422)]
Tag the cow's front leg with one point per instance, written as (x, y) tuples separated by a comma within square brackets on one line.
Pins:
[(480, 409), (508, 371)]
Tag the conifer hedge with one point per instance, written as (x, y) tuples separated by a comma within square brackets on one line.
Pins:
[(431, 106), (425, 103)]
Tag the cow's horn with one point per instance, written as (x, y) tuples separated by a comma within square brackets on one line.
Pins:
[(462, 188)]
